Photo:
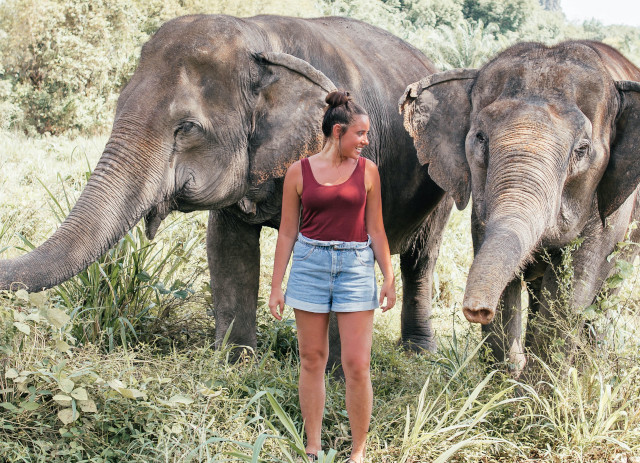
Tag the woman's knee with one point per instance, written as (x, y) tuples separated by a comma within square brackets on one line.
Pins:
[(314, 359), (356, 367)]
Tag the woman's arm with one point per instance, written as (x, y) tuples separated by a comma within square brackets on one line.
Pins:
[(375, 229), (287, 235)]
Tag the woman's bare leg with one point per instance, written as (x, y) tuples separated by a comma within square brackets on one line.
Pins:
[(356, 329), (313, 345)]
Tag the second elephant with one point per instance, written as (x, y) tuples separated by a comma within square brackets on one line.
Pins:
[(547, 140)]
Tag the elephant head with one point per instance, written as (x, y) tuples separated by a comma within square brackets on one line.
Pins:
[(544, 138), (211, 117)]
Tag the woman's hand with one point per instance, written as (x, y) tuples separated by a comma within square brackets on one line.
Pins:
[(276, 302), (388, 290)]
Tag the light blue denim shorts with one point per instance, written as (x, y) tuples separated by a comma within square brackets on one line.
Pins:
[(333, 276)]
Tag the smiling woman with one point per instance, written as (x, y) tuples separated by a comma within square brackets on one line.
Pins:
[(338, 193)]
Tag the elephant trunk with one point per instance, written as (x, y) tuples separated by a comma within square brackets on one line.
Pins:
[(125, 184), (522, 197)]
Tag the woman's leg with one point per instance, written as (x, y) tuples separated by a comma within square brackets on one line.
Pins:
[(313, 345), (356, 330)]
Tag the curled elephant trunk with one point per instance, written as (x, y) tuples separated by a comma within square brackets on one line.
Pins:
[(497, 262), (521, 199), (124, 185)]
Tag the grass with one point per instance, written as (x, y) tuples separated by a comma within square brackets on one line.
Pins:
[(118, 365)]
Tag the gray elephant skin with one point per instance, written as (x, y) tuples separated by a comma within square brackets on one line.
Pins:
[(547, 141), (215, 112)]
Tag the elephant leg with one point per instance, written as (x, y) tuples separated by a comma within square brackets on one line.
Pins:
[(233, 252), (417, 265), (558, 329), (504, 333)]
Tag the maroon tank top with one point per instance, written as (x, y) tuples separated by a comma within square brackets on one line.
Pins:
[(334, 212)]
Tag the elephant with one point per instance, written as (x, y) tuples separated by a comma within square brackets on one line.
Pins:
[(216, 110), (546, 140)]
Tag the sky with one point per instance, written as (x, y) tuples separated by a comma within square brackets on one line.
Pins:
[(606, 11)]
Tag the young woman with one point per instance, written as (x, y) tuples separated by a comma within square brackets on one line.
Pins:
[(333, 265)]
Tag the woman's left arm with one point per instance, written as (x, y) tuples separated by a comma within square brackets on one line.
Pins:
[(375, 229)]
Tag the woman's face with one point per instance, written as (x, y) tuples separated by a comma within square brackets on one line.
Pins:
[(355, 137)]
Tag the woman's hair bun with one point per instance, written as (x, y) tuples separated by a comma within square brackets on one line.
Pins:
[(337, 98)]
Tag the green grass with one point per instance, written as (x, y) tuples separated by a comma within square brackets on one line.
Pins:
[(117, 364)]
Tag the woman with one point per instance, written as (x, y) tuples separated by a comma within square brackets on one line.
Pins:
[(333, 265)]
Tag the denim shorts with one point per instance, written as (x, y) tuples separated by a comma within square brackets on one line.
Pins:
[(330, 276)]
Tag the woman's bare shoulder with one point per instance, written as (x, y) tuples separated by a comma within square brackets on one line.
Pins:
[(295, 169)]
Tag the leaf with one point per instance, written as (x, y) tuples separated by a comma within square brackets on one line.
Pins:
[(23, 327), (33, 317), (625, 269), (62, 346), (62, 399), (131, 393), (143, 276), (614, 281), (57, 317), (590, 313), (23, 295), (182, 294), (9, 406), (66, 385), (209, 392), (11, 373), (88, 406), (67, 416), (30, 406), (38, 299), (80, 394), (181, 399), (176, 429)]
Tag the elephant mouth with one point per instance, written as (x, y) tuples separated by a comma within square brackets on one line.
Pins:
[(156, 215)]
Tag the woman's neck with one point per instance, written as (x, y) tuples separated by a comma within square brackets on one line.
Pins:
[(331, 153)]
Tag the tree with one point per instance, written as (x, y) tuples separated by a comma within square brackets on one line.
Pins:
[(551, 5)]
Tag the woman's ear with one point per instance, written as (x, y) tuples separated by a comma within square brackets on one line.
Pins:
[(338, 130)]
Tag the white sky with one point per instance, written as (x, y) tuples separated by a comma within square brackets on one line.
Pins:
[(606, 11)]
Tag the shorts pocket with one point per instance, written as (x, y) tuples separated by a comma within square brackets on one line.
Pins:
[(365, 257), (302, 251)]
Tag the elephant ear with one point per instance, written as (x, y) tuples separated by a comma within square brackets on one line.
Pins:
[(622, 175), (286, 123), (436, 114)]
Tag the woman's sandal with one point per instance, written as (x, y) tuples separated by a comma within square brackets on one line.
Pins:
[(312, 457)]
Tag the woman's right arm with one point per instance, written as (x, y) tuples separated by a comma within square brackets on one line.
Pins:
[(287, 235)]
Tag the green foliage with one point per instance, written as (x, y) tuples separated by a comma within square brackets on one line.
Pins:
[(508, 15), (466, 45), (64, 62), (68, 60)]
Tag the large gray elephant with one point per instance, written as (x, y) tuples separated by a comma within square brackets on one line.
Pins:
[(216, 111), (548, 141)]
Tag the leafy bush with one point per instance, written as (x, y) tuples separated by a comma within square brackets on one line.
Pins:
[(64, 62)]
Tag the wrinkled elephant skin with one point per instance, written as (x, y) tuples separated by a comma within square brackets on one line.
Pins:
[(547, 141), (216, 111)]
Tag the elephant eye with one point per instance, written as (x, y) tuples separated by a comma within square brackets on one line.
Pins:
[(481, 137), (185, 128), (583, 148)]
